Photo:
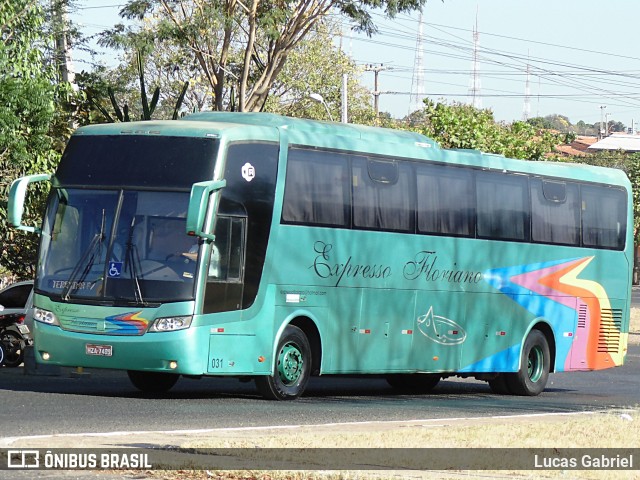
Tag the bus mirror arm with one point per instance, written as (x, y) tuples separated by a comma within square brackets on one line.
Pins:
[(17, 195), (198, 202)]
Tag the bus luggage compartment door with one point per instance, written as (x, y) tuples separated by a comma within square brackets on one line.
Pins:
[(231, 354)]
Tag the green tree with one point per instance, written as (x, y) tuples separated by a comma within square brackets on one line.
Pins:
[(462, 126), (317, 65), (27, 114), (238, 48)]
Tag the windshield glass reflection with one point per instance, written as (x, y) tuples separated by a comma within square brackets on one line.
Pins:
[(120, 247)]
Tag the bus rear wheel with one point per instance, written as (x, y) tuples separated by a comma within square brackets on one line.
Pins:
[(535, 364), (413, 382), (152, 382), (292, 367)]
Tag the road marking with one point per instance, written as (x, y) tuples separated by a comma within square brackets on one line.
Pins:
[(430, 422)]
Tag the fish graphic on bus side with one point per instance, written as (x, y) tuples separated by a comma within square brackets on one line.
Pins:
[(441, 330)]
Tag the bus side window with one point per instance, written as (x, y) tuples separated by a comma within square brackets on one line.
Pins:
[(604, 211), (227, 252), (502, 206), (225, 279), (555, 210)]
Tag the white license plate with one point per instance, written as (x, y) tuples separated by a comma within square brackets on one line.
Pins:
[(23, 329), (100, 350)]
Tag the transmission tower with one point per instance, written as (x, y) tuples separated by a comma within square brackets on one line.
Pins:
[(417, 81), (474, 89), (526, 109)]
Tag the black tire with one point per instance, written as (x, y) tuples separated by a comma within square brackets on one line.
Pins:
[(499, 385), (1, 354), (152, 382), (292, 367), (13, 345), (413, 382), (535, 364)]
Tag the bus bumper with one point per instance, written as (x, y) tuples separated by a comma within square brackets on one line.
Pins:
[(176, 352)]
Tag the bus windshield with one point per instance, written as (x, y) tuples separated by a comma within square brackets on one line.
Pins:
[(117, 247)]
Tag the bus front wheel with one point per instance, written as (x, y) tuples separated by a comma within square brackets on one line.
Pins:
[(535, 364), (292, 367), (152, 382)]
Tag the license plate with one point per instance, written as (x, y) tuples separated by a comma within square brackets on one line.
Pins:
[(100, 350), (23, 329)]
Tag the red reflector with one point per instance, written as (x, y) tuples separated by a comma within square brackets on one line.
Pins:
[(220, 330), (20, 319)]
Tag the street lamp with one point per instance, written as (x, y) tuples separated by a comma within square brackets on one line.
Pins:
[(316, 97)]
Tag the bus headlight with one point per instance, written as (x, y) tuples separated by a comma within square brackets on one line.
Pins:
[(45, 316), (170, 324)]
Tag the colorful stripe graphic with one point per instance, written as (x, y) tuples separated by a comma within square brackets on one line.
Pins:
[(553, 291), (126, 324)]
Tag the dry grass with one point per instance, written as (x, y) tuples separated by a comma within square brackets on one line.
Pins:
[(619, 429), (634, 325), (597, 430)]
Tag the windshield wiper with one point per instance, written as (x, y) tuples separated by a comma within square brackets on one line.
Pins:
[(135, 266), (87, 259)]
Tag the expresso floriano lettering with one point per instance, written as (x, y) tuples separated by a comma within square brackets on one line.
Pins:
[(325, 267), (425, 265)]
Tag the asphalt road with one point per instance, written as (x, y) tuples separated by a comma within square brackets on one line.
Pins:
[(104, 401)]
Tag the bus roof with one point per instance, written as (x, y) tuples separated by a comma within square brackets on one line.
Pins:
[(378, 140)]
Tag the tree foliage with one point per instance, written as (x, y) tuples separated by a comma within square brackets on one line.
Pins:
[(238, 48), (27, 115), (317, 65), (459, 125)]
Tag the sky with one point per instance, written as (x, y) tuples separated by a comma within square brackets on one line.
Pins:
[(582, 56)]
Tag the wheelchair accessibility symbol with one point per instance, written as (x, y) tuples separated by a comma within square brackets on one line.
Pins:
[(115, 269)]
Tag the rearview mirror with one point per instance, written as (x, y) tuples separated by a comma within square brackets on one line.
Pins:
[(198, 203), (17, 195)]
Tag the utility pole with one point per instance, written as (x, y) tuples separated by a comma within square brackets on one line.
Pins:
[(376, 69), (602, 107), (62, 53)]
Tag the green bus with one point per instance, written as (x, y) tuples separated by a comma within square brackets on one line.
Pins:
[(263, 247)]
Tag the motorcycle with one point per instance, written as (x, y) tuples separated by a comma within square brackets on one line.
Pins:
[(14, 337)]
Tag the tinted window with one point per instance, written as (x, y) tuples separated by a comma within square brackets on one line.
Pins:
[(317, 188), (137, 160), (446, 202), (604, 213), (382, 195), (502, 203), (555, 210), (227, 252), (16, 296)]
